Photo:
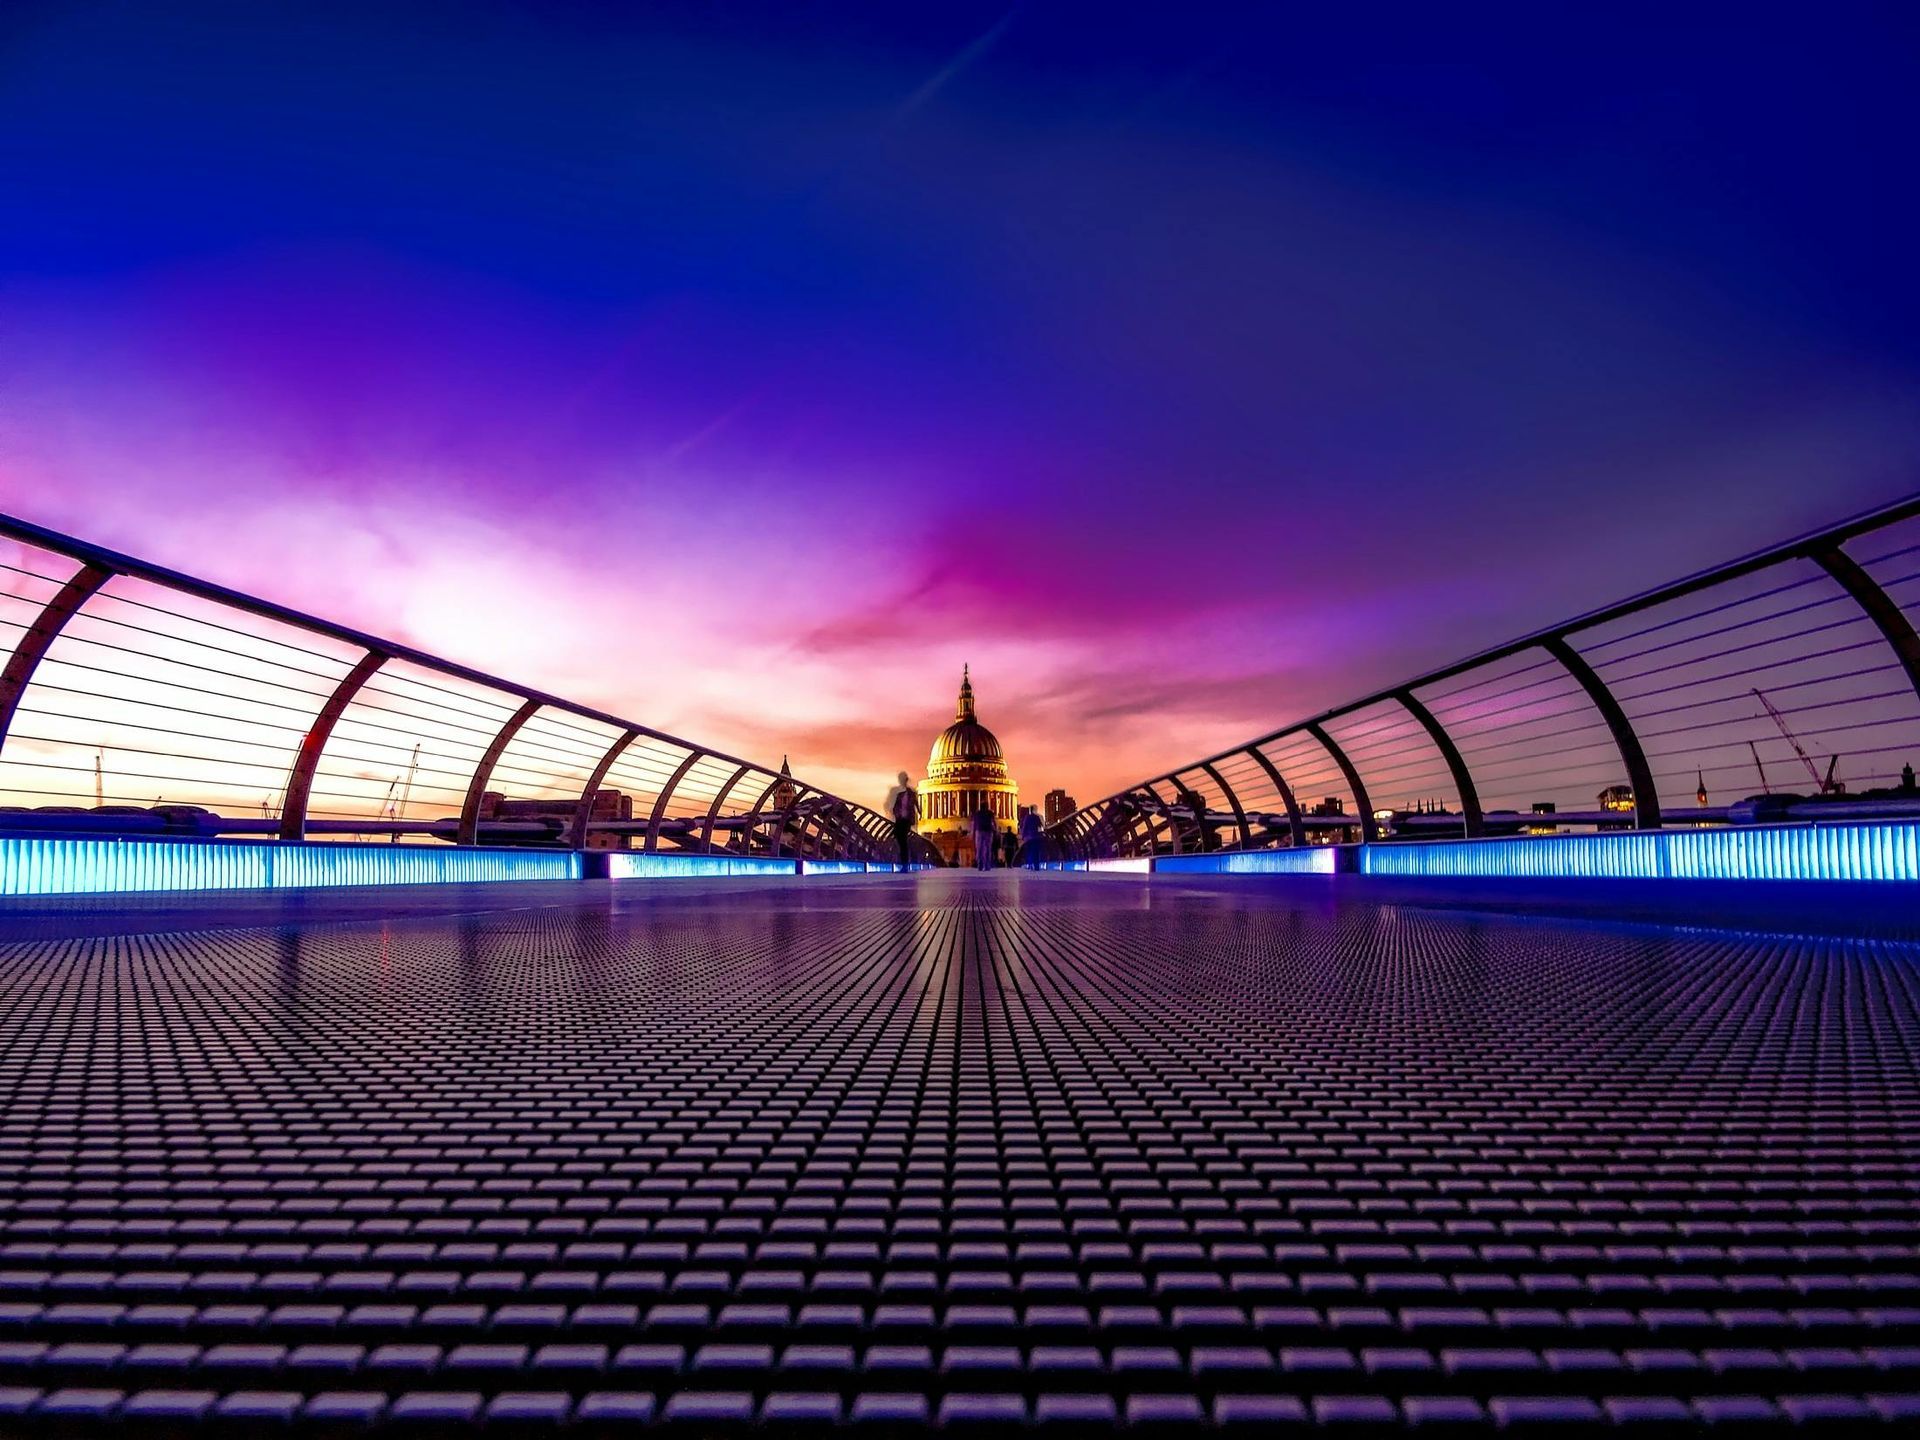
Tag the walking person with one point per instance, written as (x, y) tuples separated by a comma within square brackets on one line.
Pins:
[(1009, 848), (903, 808), (985, 837), (1030, 838)]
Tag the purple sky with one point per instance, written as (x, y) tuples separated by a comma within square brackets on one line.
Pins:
[(747, 376)]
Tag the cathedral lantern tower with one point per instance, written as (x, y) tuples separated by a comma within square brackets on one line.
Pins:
[(965, 771)]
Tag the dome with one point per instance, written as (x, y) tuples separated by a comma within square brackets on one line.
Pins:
[(966, 773), (965, 742), (966, 748)]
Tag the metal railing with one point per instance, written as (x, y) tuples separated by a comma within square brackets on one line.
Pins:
[(135, 700), (1784, 686)]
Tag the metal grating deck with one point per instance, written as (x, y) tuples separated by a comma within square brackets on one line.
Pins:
[(966, 1151)]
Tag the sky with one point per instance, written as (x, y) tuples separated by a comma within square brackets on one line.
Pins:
[(746, 370)]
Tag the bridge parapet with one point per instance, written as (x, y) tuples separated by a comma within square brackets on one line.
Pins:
[(139, 701), (1780, 687)]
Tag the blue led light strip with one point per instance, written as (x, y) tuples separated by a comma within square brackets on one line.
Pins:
[(1887, 850), (636, 865), (78, 866), (1318, 860)]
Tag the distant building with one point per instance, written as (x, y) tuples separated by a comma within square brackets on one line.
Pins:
[(784, 791), (965, 771), (1328, 807), (1059, 805), (607, 805)]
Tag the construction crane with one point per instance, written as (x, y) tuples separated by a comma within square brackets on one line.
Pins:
[(1826, 785), (1765, 789), (400, 790)]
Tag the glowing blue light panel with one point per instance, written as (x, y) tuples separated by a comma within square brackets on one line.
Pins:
[(856, 867), (83, 866), (1888, 850), (627, 865), (1315, 860)]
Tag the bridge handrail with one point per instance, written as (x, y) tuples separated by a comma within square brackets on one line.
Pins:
[(1192, 818), (823, 823)]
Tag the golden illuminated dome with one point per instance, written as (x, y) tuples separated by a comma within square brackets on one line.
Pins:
[(966, 772), (965, 743)]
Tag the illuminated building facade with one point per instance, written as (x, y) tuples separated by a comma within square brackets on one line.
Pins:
[(965, 771), (1059, 806)]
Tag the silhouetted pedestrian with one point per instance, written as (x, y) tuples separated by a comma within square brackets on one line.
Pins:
[(984, 832), (1009, 848), (1030, 838), (903, 808)]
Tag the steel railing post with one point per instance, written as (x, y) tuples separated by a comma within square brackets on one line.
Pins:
[(38, 638), (1646, 800), (469, 831), (1369, 827), (1473, 821), (306, 762)]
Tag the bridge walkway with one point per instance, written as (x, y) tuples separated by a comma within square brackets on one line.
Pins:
[(948, 1149)]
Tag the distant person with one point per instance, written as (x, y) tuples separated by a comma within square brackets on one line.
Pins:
[(985, 833), (903, 808), (1009, 848), (1030, 838)]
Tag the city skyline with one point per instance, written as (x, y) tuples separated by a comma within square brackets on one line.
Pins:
[(647, 359)]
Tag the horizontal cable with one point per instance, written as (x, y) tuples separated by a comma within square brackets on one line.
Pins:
[(1691, 615), (1613, 682), (1746, 692), (331, 676), (70, 637)]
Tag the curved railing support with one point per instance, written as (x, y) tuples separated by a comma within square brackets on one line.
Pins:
[(469, 831), (1197, 812), (783, 817), (1646, 799), (1294, 826), (306, 763), (1140, 826), (833, 831), (713, 810), (812, 830), (1472, 819), (1369, 828), (583, 812), (1239, 811), (33, 645), (862, 823), (1887, 617), (1168, 821), (659, 812)]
